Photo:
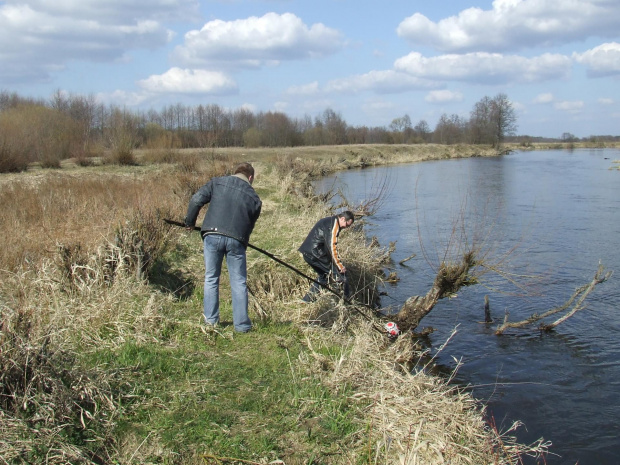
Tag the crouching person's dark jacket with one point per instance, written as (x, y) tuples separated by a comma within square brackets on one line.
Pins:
[(321, 243)]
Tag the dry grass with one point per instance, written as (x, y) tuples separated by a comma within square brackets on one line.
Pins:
[(405, 415), (43, 210), (72, 279), (78, 247)]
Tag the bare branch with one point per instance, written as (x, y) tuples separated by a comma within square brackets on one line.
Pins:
[(378, 194), (450, 278), (582, 292)]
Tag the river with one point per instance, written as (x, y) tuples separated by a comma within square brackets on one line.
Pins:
[(549, 217)]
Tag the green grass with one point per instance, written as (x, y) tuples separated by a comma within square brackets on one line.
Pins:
[(225, 394)]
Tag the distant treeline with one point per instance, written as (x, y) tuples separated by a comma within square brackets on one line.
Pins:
[(75, 126)]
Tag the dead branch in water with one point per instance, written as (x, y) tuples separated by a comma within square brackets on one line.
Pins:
[(582, 292), (450, 278), (470, 253), (406, 259)]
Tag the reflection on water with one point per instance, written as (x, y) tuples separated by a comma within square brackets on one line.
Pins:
[(549, 217)]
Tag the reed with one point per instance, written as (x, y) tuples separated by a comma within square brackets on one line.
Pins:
[(104, 359)]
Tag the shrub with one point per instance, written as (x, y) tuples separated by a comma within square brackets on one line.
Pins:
[(34, 133), (252, 138), (122, 156), (11, 161)]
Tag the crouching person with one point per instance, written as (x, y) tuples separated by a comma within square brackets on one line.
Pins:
[(320, 251)]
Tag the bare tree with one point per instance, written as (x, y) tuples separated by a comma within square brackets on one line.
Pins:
[(122, 135), (335, 127), (449, 129), (423, 130), (503, 119), (480, 127), (401, 129)]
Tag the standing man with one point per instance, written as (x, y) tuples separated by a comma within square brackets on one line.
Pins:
[(320, 251), (233, 209)]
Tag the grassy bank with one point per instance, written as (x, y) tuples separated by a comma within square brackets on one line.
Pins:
[(104, 359)]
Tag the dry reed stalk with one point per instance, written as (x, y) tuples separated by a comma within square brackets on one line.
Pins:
[(82, 300), (40, 211), (43, 393), (410, 417)]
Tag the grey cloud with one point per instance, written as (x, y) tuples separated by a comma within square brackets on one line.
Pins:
[(114, 11), (42, 41)]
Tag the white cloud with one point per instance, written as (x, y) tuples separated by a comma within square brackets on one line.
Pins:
[(281, 106), (383, 82), (603, 60), (316, 105), (519, 107), (606, 101), (514, 25), (544, 98), (379, 110), (249, 107), (255, 42), (486, 68), (443, 96), (188, 81), (570, 107), (39, 37), (306, 89), (121, 97)]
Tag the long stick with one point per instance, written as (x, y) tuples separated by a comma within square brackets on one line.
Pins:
[(291, 267)]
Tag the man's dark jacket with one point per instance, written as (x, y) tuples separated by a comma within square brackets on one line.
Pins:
[(318, 244), (234, 207)]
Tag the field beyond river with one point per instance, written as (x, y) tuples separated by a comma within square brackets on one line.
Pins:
[(104, 358)]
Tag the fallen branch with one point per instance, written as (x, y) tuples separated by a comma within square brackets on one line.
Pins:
[(450, 278), (582, 292)]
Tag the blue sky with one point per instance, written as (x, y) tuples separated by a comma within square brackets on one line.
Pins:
[(557, 60)]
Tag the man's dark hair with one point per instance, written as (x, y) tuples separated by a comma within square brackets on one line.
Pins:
[(245, 168), (347, 215)]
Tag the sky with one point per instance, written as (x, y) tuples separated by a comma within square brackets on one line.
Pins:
[(558, 61)]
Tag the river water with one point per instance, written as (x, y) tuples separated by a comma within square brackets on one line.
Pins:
[(548, 218)]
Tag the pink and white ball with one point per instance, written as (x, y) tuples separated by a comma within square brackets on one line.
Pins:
[(392, 329)]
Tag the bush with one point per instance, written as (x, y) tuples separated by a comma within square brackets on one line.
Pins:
[(34, 133), (122, 156), (11, 161), (252, 138)]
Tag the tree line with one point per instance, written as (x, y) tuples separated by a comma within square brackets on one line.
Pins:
[(76, 126)]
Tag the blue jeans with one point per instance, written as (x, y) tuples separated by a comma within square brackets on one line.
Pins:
[(215, 248)]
